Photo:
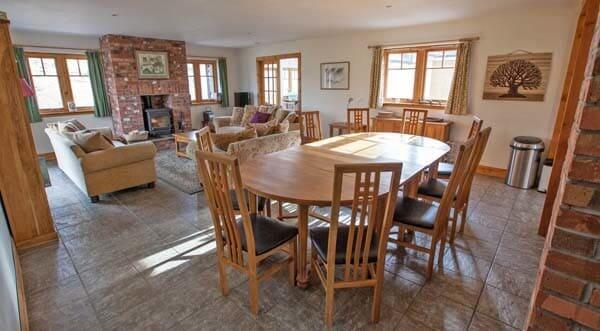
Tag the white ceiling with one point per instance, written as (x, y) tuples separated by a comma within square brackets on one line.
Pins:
[(241, 23)]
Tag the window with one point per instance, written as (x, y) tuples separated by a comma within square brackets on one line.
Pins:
[(279, 80), (60, 81), (418, 76), (202, 79)]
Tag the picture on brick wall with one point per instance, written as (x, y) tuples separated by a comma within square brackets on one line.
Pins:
[(517, 77), (152, 65)]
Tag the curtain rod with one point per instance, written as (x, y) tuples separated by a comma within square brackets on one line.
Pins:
[(439, 42), (57, 47)]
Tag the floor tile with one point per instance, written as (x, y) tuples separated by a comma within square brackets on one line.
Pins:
[(438, 312), (503, 306), (482, 322), (511, 280)]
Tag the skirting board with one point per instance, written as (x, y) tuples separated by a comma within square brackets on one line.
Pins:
[(491, 171)]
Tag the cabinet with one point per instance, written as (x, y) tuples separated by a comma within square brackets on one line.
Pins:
[(435, 130)]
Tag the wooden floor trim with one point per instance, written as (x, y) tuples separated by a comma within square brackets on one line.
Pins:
[(37, 241), (491, 171)]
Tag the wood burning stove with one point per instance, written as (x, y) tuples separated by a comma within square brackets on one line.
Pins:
[(158, 119)]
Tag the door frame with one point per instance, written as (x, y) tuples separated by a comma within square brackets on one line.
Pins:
[(260, 75)]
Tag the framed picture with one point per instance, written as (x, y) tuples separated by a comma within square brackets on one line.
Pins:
[(335, 76), (517, 77), (152, 65)]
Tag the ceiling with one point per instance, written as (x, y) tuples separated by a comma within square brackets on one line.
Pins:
[(242, 23)]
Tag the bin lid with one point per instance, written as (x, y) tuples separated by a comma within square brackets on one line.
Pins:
[(526, 142)]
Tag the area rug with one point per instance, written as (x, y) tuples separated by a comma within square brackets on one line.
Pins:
[(179, 172)]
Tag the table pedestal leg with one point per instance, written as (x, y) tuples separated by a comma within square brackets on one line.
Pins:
[(411, 187), (302, 278)]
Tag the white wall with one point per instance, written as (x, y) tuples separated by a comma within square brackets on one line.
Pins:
[(546, 29), (42, 144)]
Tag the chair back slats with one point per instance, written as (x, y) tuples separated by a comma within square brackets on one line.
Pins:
[(220, 173), (457, 177), (475, 127), (358, 119), (482, 138), (363, 225), (203, 141), (414, 121), (310, 125)]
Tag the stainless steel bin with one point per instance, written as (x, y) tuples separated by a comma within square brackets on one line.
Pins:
[(524, 161)]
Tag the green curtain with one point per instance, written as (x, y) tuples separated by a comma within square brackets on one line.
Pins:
[(30, 102), (223, 82), (101, 105)]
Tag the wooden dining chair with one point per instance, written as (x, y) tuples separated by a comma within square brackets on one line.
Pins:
[(433, 188), (203, 140), (429, 218), (244, 243), (444, 168), (357, 119), (359, 246), (204, 143), (310, 126), (413, 121)]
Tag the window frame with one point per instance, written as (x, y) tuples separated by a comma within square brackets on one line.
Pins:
[(64, 83), (197, 81), (420, 72), (272, 59)]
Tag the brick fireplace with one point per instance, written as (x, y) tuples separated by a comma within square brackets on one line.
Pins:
[(125, 89)]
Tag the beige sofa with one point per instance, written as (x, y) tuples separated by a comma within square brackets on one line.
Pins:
[(108, 170), (250, 148), (234, 122)]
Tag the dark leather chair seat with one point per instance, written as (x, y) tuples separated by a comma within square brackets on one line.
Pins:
[(445, 169), (415, 212), (268, 233), (236, 206), (320, 237), (433, 187)]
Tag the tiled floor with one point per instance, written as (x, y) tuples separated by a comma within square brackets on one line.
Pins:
[(144, 259)]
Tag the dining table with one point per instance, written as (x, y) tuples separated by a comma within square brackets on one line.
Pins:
[(303, 175)]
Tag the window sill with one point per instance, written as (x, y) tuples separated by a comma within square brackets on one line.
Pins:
[(65, 113), (415, 105)]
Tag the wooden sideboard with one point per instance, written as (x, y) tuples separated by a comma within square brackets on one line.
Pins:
[(435, 130)]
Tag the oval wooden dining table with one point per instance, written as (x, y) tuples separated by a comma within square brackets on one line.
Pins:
[(303, 175)]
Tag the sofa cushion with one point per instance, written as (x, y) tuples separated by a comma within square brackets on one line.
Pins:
[(260, 117), (281, 114), (236, 116), (263, 129), (248, 113), (291, 117), (71, 125), (90, 141), (222, 140), (282, 127)]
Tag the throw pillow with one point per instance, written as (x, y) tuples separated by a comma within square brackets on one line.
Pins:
[(248, 113), (282, 127), (291, 117), (263, 129), (222, 140), (71, 125), (90, 141), (280, 114), (260, 117), (236, 116)]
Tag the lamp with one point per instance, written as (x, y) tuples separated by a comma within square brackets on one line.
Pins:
[(26, 89)]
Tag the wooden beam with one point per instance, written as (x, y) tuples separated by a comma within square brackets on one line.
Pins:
[(21, 185), (568, 104)]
